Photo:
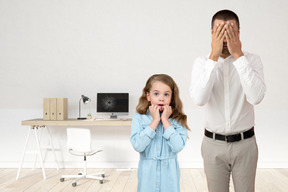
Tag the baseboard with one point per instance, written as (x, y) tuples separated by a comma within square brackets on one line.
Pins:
[(124, 164), (70, 164), (273, 164)]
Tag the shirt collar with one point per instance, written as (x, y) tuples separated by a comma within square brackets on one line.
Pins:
[(225, 59)]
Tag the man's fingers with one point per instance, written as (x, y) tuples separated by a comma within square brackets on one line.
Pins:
[(218, 29), (223, 36), (228, 38), (228, 34), (231, 31), (222, 32), (234, 30)]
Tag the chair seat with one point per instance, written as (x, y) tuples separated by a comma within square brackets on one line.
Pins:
[(88, 153)]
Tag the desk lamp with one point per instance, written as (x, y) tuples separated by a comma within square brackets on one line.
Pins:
[(85, 100)]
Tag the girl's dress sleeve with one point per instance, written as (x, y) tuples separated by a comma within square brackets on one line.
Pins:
[(141, 134), (176, 136)]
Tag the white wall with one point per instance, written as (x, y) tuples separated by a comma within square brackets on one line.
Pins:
[(67, 48)]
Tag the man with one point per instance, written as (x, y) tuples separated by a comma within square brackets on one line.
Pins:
[(228, 83)]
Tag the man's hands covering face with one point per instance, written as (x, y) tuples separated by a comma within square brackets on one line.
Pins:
[(228, 33)]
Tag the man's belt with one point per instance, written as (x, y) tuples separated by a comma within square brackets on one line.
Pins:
[(230, 138)]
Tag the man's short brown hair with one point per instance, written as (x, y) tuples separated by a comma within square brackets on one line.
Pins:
[(225, 15)]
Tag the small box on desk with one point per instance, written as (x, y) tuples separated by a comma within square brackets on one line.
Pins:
[(55, 108)]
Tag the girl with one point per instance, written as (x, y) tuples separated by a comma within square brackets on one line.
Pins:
[(159, 132)]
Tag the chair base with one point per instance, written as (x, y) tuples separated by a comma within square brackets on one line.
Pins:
[(97, 176)]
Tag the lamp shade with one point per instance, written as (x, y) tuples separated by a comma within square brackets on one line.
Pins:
[(85, 99)]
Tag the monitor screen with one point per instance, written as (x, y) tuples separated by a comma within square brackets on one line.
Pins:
[(113, 102)]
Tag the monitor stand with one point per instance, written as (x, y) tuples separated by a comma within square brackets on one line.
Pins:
[(113, 116)]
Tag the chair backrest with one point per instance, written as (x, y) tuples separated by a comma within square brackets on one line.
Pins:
[(79, 139)]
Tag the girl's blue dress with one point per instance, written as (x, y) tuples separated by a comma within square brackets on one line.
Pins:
[(158, 168)]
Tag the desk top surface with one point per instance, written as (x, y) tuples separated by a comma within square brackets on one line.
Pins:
[(75, 122)]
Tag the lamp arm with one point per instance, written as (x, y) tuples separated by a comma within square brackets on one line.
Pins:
[(80, 108)]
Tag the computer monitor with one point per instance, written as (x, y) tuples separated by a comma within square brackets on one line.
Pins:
[(113, 103)]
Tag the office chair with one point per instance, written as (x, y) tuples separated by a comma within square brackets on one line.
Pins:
[(79, 143)]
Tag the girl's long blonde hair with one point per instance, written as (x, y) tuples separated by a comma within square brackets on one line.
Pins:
[(176, 103)]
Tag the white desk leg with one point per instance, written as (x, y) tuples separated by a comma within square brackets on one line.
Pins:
[(39, 151), (24, 151), (52, 146), (36, 153)]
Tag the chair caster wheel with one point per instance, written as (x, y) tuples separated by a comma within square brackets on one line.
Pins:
[(74, 184), (62, 179), (103, 175), (101, 182)]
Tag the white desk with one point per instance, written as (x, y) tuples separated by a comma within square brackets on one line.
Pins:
[(35, 124), (75, 122)]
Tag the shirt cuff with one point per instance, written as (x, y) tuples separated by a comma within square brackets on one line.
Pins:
[(169, 131), (241, 63), (149, 132), (211, 64)]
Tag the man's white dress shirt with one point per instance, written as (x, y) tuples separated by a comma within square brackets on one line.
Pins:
[(228, 89)]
